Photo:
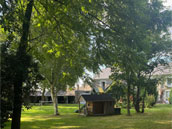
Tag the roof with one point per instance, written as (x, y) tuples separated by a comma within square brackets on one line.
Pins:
[(62, 93), (163, 70), (98, 98), (104, 74), (84, 88), (68, 92)]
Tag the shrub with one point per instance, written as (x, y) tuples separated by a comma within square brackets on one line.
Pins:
[(149, 100)]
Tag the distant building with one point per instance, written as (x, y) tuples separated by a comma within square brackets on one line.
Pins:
[(102, 79), (164, 74), (82, 90), (67, 96)]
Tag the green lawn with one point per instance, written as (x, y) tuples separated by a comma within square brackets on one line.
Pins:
[(159, 117)]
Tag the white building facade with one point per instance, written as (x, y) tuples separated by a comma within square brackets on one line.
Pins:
[(102, 79), (164, 74)]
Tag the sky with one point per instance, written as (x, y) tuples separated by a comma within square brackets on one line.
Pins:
[(168, 3)]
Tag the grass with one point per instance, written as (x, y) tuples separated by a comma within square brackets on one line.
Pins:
[(41, 117)]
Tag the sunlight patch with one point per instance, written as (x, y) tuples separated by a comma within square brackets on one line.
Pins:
[(27, 119), (69, 127), (38, 118), (163, 122), (35, 127)]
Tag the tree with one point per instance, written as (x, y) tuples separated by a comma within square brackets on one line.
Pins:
[(60, 72), (170, 99), (67, 19), (55, 17), (23, 62), (134, 31), (67, 52), (6, 85), (22, 59)]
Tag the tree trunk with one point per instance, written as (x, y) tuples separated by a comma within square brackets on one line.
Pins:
[(143, 106), (137, 100), (128, 100), (21, 68), (54, 99), (43, 96), (143, 102), (17, 105)]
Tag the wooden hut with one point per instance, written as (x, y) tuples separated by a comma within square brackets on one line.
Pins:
[(102, 104)]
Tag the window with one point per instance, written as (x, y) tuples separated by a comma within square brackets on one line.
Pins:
[(169, 81), (167, 94), (103, 85)]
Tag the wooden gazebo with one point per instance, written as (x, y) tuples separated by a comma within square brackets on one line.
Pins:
[(102, 104)]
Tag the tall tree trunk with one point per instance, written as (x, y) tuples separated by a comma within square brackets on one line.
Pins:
[(128, 100), (143, 102), (143, 105), (17, 105), (43, 96), (54, 99), (137, 100), (21, 69)]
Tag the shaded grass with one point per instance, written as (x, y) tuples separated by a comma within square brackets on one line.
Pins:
[(41, 117)]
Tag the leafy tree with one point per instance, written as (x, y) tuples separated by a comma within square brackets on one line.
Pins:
[(62, 21), (60, 72), (8, 64), (133, 38), (170, 99), (22, 61), (6, 85), (65, 49)]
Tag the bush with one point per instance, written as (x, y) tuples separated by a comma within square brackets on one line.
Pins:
[(170, 99), (149, 101)]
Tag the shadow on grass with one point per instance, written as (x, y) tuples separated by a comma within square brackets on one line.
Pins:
[(159, 117), (136, 121)]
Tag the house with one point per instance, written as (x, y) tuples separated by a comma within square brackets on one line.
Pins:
[(102, 104), (82, 90), (164, 74), (102, 79), (67, 96)]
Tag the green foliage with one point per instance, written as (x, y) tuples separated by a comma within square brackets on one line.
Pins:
[(149, 100), (117, 90), (151, 88), (7, 95), (8, 67), (170, 99), (135, 45)]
